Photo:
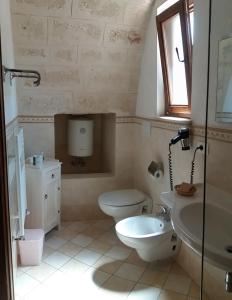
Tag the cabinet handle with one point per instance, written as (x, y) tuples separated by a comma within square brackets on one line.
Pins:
[(58, 211), (46, 196), (53, 175), (58, 188)]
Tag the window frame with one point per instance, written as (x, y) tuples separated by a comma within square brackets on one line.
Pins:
[(183, 8)]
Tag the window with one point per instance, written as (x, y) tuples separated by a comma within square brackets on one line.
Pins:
[(174, 27)]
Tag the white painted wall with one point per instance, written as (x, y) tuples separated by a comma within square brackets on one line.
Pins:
[(8, 59), (150, 98), (200, 61), (147, 104)]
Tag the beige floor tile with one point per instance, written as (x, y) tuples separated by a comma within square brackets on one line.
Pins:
[(105, 294), (194, 290), (94, 277), (25, 284), (118, 252), (40, 292), (107, 264), (93, 232), (88, 257), (67, 234), (118, 285), (23, 269), (155, 278), (78, 226), (110, 238), (19, 272), (88, 292), (50, 234), (82, 240), (47, 251), (163, 265), (70, 249), (106, 223), (65, 224), (55, 280), (178, 283), (167, 295), (57, 259), (74, 267), (93, 263), (41, 272), (55, 242), (60, 286), (176, 269), (133, 258), (99, 246), (130, 272), (144, 292)]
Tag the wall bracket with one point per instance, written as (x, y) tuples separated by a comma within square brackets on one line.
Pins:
[(19, 73)]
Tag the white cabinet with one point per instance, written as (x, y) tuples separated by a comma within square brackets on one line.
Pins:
[(43, 195)]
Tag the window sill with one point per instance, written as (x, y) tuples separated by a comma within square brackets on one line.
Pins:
[(176, 120)]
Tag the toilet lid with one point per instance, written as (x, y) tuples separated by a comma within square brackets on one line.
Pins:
[(122, 198)]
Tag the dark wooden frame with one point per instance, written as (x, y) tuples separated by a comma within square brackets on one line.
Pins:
[(6, 266), (182, 7)]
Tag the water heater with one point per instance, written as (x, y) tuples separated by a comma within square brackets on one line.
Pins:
[(80, 138)]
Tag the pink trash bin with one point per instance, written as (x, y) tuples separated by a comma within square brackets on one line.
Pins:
[(31, 248)]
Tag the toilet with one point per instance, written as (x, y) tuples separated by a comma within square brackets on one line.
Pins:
[(152, 237), (121, 204)]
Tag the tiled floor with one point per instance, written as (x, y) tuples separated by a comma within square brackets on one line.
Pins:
[(87, 261)]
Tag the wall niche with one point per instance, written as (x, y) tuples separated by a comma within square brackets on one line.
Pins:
[(101, 158)]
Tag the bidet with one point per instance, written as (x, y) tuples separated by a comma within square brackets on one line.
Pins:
[(152, 237)]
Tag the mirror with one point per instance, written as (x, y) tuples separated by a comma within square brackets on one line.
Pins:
[(224, 84)]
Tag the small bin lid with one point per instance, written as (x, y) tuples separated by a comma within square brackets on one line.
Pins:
[(122, 198)]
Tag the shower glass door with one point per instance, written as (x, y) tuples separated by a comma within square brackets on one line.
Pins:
[(217, 212)]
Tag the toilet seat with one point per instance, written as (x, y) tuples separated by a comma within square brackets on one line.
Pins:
[(122, 198)]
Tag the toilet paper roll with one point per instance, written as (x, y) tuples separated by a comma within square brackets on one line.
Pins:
[(158, 174)]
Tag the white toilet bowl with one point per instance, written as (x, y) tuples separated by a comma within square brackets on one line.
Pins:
[(122, 204), (151, 236)]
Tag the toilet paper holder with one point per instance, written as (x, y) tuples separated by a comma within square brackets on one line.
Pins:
[(155, 169)]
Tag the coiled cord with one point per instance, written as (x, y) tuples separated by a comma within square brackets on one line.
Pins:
[(170, 167), (193, 162)]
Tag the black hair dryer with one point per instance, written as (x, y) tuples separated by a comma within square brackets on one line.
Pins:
[(183, 136)]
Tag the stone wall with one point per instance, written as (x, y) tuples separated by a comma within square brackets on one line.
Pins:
[(88, 53)]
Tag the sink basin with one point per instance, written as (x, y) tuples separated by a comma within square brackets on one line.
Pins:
[(187, 220)]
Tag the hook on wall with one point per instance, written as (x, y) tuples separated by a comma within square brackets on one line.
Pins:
[(178, 55), (18, 73)]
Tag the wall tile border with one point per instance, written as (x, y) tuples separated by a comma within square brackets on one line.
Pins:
[(35, 119), (219, 134)]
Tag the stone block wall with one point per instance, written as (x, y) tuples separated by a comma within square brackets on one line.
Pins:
[(88, 53)]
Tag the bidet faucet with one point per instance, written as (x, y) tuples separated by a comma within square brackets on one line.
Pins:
[(164, 213)]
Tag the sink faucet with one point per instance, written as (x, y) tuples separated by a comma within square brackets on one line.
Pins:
[(164, 213)]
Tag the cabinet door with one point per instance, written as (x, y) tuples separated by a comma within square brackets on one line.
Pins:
[(51, 198)]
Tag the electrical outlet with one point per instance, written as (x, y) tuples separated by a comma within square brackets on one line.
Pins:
[(202, 143)]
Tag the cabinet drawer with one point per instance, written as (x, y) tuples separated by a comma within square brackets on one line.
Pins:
[(52, 175)]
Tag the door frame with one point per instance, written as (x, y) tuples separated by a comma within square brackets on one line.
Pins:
[(6, 265)]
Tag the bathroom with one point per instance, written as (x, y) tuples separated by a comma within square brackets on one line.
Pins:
[(99, 60)]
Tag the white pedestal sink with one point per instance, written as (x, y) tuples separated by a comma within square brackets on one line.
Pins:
[(187, 220)]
